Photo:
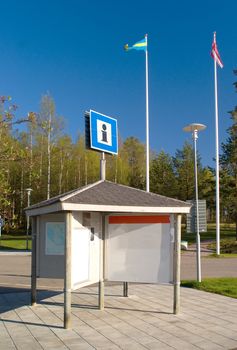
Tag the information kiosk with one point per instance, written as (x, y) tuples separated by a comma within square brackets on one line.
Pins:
[(106, 232)]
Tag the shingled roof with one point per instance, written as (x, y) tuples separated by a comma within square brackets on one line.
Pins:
[(110, 195)]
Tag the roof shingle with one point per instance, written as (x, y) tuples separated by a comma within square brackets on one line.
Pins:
[(109, 193)]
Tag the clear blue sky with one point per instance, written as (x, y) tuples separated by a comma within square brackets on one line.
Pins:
[(74, 50)]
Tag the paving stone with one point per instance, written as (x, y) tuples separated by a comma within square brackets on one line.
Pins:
[(158, 345), (7, 344), (144, 320), (207, 345)]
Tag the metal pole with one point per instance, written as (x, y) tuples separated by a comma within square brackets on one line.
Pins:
[(34, 261), (147, 125), (176, 302), (49, 157), (102, 166), (198, 252), (67, 277), (27, 218), (27, 222), (125, 289), (102, 265), (217, 166)]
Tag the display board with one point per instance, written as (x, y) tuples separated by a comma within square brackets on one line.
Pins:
[(139, 249), (55, 238)]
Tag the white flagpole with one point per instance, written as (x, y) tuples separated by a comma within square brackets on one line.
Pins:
[(147, 125), (217, 162)]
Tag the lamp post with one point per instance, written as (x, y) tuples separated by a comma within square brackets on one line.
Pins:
[(28, 190), (194, 128)]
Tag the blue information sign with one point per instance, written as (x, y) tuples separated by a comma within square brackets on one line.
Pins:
[(103, 133)]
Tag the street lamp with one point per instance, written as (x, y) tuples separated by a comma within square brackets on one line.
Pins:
[(28, 190), (194, 128)]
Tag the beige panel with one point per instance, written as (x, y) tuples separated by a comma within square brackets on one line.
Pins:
[(50, 266)]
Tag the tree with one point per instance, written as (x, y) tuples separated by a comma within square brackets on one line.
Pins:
[(62, 165), (162, 175), (10, 155), (184, 169), (47, 129), (228, 162), (206, 188), (133, 153)]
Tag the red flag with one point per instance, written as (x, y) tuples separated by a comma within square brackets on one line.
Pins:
[(215, 54)]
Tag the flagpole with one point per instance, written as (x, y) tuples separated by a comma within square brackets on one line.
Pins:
[(217, 161), (147, 126)]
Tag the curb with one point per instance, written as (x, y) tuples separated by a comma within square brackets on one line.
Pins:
[(15, 252)]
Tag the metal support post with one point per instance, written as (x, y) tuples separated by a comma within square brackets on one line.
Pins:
[(177, 244), (125, 289), (102, 166), (28, 190), (102, 265), (198, 255), (33, 261), (67, 277), (194, 128)]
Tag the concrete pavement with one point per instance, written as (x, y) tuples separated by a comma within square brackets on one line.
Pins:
[(144, 320)]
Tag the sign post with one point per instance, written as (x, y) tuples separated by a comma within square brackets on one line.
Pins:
[(1, 225), (101, 135)]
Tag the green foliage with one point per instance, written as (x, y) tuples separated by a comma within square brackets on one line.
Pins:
[(227, 231), (134, 157), (228, 162), (14, 242), (184, 168), (11, 155), (225, 286), (45, 159), (162, 175)]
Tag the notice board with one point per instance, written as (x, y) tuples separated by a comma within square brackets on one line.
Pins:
[(139, 249)]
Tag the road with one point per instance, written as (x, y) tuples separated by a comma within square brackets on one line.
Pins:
[(15, 270)]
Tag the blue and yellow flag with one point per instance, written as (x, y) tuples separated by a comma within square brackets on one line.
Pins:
[(140, 45)]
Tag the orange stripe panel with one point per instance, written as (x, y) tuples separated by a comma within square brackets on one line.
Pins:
[(159, 219)]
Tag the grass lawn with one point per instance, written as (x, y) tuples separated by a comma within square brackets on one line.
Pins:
[(227, 246), (225, 286), (14, 242), (222, 255), (227, 231)]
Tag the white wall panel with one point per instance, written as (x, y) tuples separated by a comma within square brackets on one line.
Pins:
[(139, 253), (80, 256)]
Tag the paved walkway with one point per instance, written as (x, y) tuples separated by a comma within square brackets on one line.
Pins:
[(144, 320)]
